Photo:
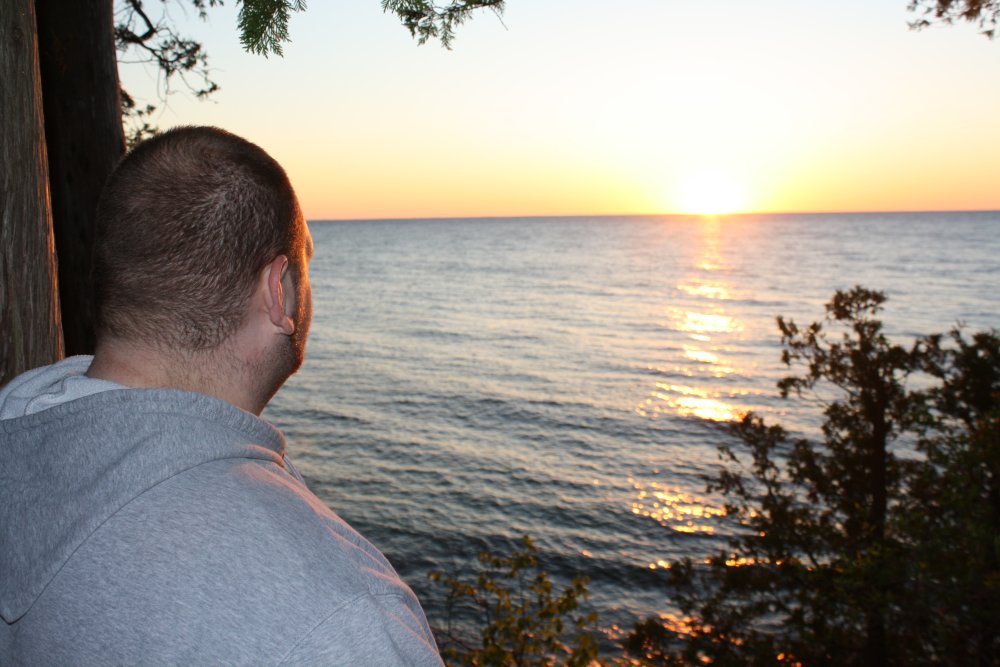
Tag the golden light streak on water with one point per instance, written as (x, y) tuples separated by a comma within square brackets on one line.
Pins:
[(701, 357), (714, 322), (705, 289), (688, 401), (675, 509), (740, 562), (705, 408), (695, 353)]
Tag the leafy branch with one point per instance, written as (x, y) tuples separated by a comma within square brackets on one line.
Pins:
[(141, 38), (984, 13), (263, 24), (426, 21)]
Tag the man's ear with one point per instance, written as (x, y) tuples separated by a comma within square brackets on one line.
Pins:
[(276, 299)]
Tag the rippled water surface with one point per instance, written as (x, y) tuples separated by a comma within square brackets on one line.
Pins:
[(469, 381)]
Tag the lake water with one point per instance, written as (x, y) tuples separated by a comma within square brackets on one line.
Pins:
[(470, 381)]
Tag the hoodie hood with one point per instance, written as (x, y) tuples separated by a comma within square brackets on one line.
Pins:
[(48, 386), (67, 467)]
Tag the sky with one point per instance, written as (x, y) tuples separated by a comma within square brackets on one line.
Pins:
[(587, 107)]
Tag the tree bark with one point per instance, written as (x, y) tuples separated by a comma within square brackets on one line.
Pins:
[(30, 333), (83, 127)]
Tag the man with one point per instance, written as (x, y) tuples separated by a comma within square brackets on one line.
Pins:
[(147, 514)]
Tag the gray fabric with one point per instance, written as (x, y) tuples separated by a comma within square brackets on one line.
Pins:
[(42, 388), (154, 526)]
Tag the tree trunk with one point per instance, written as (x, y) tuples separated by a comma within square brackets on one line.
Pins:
[(30, 333), (875, 409), (83, 126)]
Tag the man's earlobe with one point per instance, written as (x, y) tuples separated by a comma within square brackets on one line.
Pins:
[(276, 297)]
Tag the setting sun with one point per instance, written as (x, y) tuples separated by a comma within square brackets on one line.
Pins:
[(711, 193)]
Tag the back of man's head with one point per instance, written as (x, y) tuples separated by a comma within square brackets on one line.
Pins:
[(184, 226)]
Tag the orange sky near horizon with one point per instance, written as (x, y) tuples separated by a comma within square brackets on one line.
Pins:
[(573, 107)]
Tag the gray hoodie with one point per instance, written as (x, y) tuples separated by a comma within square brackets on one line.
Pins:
[(155, 526)]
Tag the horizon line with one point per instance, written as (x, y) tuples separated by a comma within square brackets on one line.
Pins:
[(651, 215)]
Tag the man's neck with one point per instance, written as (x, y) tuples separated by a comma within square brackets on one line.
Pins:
[(214, 372)]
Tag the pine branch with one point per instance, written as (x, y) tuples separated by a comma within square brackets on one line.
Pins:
[(263, 24)]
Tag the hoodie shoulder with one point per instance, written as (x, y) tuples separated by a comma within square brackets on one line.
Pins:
[(67, 469)]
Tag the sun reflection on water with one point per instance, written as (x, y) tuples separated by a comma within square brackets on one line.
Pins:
[(695, 353), (701, 317), (689, 402), (674, 509), (702, 323), (705, 290)]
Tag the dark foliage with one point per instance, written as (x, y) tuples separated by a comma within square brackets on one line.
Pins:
[(264, 24), (984, 13), (952, 512)]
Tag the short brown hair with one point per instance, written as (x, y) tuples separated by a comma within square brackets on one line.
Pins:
[(184, 226)]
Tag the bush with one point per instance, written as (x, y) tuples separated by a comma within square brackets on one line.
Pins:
[(524, 621)]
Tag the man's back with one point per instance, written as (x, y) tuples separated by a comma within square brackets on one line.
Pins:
[(155, 526)]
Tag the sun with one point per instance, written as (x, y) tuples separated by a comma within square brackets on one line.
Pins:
[(710, 193)]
